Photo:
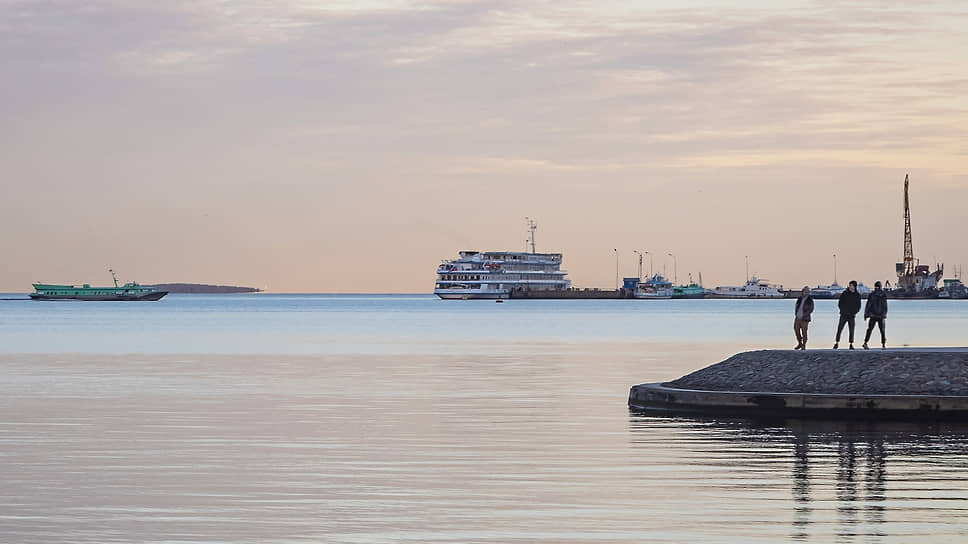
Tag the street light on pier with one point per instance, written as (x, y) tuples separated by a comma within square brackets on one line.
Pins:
[(639, 253), (616, 267), (675, 268), (651, 262), (835, 269)]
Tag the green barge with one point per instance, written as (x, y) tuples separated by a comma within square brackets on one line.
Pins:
[(131, 291)]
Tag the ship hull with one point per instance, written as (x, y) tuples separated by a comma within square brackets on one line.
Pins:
[(156, 295)]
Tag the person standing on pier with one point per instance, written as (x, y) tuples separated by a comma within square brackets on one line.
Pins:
[(849, 305), (876, 313), (802, 320)]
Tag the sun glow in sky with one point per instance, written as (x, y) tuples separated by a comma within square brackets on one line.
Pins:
[(350, 146)]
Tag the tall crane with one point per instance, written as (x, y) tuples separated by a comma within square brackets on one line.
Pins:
[(906, 273), (912, 277)]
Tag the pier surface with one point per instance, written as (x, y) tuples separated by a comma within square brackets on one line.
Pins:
[(918, 383)]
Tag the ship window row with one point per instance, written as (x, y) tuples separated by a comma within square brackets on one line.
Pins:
[(97, 293), (496, 277)]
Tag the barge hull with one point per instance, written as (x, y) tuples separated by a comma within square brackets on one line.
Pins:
[(157, 295)]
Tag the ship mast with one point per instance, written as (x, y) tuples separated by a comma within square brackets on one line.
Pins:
[(532, 226), (114, 277)]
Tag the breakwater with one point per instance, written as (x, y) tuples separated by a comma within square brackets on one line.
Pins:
[(903, 383)]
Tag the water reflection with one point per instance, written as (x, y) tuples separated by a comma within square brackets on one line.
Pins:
[(848, 481)]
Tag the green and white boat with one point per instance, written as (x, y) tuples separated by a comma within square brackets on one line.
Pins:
[(693, 290), (128, 291)]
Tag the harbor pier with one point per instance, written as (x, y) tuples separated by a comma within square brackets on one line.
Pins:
[(908, 383)]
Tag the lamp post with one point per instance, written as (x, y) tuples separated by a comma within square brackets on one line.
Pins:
[(616, 267), (651, 262), (675, 268), (835, 269), (639, 253), (747, 268)]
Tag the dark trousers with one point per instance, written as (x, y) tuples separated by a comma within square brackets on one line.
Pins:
[(879, 321), (850, 322)]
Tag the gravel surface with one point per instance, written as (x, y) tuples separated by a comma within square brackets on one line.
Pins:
[(900, 372)]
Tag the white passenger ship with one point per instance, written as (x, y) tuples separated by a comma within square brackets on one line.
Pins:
[(499, 274)]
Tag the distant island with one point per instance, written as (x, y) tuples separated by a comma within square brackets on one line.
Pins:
[(201, 288)]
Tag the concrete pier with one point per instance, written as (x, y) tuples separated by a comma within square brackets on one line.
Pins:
[(877, 384)]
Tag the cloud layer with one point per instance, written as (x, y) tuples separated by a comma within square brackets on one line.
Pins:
[(261, 142)]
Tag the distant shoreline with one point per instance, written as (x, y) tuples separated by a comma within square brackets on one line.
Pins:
[(202, 288)]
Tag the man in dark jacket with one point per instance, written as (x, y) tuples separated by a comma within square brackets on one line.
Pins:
[(849, 305), (802, 320), (876, 312)]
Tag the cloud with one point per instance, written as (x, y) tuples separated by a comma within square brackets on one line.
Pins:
[(341, 103)]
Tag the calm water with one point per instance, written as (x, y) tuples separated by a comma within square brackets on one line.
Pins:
[(408, 419)]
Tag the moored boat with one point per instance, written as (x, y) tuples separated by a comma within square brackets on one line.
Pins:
[(654, 288), (827, 291), (754, 288), (693, 290)]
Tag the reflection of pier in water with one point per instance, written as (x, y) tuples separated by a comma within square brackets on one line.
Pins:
[(839, 470)]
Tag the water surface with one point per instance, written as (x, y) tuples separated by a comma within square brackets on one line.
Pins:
[(407, 419)]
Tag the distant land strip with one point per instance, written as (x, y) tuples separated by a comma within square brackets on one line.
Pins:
[(201, 288)]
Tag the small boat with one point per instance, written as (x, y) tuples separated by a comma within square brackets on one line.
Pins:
[(827, 291), (131, 291), (754, 288), (953, 289), (693, 290), (654, 288)]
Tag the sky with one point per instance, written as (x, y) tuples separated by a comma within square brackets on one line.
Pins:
[(351, 146)]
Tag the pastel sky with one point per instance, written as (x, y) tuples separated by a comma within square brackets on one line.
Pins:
[(350, 146)]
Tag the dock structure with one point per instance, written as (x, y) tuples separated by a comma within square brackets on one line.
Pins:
[(896, 384), (573, 293)]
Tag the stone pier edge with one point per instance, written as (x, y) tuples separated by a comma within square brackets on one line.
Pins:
[(658, 396)]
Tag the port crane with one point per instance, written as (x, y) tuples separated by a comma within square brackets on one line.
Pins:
[(912, 276)]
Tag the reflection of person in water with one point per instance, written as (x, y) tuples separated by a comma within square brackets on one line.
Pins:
[(847, 485), (844, 462), (876, 474), (801, 485)]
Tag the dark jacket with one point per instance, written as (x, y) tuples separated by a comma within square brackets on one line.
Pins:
[(876, 305), (849, 303), (807, 306)]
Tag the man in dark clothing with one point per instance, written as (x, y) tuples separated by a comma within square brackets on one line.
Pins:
[(876, 313), (802, 320), (849, 305)]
